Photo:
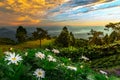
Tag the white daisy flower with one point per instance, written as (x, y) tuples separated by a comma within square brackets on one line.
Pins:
[(39, 73), (47, 49), (51, 58), (103, 72), (40, 55), (55, 51), (12, 58), (72, 68), (7, 53), (85, 58)]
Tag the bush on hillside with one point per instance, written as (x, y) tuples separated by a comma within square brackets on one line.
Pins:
[(7, 41)]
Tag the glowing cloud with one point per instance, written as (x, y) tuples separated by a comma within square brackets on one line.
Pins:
[(57, 12)]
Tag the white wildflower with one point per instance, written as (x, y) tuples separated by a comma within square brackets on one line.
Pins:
[(55, 51), (103, 72), (51, 58), (7, 53), (81, 66), (72, 68), (47, 49), (26, 53), (40, 55), (11, 49), (85, 58), (39, 73), (12, 58), (69, 58), (62, 64)]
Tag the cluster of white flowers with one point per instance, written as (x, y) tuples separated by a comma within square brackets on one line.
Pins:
[(72, 68), (40, 55), (55, 51), (39, 73), (12, 58), (51, 58), (85, 58)]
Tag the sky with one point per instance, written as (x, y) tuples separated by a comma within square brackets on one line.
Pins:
[(59, 12)]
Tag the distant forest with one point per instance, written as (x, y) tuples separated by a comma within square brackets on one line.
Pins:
[(66, 38)]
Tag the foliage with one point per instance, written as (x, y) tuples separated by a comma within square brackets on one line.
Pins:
[(25, 69), (21, 34), (80, 43), (96, 37), (40, 34), (6, 41), (28, 44), (65, 38), (116, 30)]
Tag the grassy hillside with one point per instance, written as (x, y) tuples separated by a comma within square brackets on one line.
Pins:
[(28, 44)]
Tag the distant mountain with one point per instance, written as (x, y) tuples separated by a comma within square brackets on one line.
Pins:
[(7, 33)]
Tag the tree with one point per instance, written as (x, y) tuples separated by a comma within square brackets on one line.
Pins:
[(72, 39), (21, 34), (116, 30), (106, 39), (65, 38), (96, 37), (40, 34), (113, 37)]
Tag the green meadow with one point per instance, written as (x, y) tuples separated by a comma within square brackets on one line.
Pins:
[(42, 57)]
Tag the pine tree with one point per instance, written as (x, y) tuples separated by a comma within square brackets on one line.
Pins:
[(65, 38), (21, 34)]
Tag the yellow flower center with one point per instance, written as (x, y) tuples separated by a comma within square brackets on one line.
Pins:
[(14, 59), (39, 73)]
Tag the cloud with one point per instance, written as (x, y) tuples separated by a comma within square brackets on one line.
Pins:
[(27, 10), (74, 7), (37, 12)]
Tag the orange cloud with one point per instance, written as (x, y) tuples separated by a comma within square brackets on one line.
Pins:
[(31, 7), (26, 11)]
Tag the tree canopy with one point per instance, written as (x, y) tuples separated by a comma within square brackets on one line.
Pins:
[(21, 34), (65, 38), (40, 34)]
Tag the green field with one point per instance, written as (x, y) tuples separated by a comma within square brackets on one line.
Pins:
[(27, 45)]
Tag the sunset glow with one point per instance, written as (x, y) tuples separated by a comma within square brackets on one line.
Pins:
[(59, 12)]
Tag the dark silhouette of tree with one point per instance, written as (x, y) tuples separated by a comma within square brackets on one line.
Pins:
[(116, 30), (65, 38), (21, 34), (114, 26), (40, 34), (106, 39), (72, 39), (113, 37), (96, 37)]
